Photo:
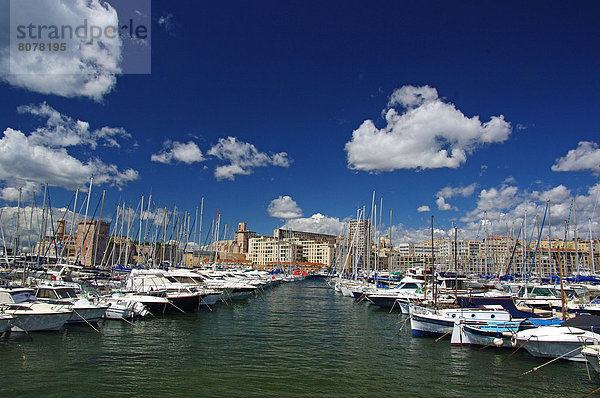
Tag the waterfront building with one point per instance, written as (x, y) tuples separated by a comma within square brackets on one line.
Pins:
[(281, 233), (263, 251), (359, 239)]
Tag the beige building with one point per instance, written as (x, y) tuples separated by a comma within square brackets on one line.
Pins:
[(318, 252), (265, 251)]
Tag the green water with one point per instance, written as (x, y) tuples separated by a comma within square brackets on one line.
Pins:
[(298, 339)]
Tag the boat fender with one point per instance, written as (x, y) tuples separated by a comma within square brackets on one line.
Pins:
[(498, 342), (513, 340)]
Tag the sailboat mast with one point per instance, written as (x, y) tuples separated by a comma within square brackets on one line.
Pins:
[(97, 229), (592, 265), (139, 248), (17, 227), (200, 229)]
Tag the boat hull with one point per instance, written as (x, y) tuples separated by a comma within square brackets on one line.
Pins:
[(87, 314), (39, 322), (429, 326)]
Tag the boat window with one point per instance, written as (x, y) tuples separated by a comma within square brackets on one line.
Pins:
[(493, 316), (543, 291), (65, 293), (45, 293), (21, 297)]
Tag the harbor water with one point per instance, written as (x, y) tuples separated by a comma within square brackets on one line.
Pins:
[(298, 339)]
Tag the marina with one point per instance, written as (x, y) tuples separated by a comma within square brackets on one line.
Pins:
[(295, 339), (299, 199)]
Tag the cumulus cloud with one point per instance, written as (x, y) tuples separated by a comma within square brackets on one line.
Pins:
[(442, 205), (429, 133), (423, 209), (174, 151), (62, 131), (26, 161), (554, 195), (585, 157), (243, 158), (450, 192), (85, 69), (284, 207), (318, 223)]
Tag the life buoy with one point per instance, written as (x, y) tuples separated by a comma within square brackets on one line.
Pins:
[(52, 277)]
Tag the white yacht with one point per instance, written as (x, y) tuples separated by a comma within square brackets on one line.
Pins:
[(84, 310), (30, 314)]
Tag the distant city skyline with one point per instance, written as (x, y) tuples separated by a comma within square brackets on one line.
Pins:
[(293, 115)]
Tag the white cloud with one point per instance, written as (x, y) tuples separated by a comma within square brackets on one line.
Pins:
[(429, 134), (243, 158), (178, 152), (318, 223), (494, 198), (585, 157), (27, 161), (423, 209), (62, 131), (86, 68), (554, 195), (442, 205), (451, 192), (284, 207)]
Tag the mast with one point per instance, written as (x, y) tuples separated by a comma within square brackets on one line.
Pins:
[(563, 298), (72, 224), (550, 242), (390, 262), (97, 229), (200, 229), (139, 248), (485, 258), (17, 228), (456, 262), (162, 241), (87, 205), (592, 265), (425, 284), (43, 225), (127, 238), (576, 240)]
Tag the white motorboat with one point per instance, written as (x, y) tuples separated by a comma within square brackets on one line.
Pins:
[(556, 341), (30, 314), (84, 310), (125, 307), (156, 282), (409, 290)]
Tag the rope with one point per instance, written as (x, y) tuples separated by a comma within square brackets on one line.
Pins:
[(592, 393), (86, 321), (403, 324), (441, 337), (521, 346), (549, 362)]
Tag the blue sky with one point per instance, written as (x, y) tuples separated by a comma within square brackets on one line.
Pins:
[(263, 109)]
